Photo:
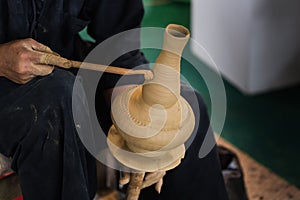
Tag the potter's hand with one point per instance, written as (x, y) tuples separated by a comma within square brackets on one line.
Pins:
[(150, 179), (22, 60)]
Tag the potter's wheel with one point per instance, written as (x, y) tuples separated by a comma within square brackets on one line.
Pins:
[(141, 161)]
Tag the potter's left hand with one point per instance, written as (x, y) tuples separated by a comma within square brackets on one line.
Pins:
[(150, 179)]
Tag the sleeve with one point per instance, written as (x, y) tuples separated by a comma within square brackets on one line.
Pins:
[(110, 18)]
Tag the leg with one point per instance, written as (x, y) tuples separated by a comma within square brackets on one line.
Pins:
[(37, 130), (195, 178)]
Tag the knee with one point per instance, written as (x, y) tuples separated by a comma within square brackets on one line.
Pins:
[(202, 121), (58, 84), (55, 88)]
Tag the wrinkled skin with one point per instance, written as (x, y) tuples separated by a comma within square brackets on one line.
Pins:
[(22, 60), (150, 179)]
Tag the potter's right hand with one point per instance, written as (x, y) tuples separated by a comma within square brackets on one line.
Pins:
[(22, 60)]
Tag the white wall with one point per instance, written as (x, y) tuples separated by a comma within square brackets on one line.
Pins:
[(255, 43)]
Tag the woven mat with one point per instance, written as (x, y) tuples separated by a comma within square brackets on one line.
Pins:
[(261, 183)]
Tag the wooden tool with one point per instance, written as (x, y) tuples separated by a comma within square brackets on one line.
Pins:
[(51, 59)]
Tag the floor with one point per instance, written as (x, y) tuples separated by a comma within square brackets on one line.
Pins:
[(260, 182)]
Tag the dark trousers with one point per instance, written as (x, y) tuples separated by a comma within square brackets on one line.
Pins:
[(37, 130)]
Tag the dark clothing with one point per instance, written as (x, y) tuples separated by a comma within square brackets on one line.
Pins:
[(195, 178), (58, 23), (36, 121), (37, 130)]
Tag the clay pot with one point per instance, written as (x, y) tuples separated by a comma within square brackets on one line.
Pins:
[(152, 121)]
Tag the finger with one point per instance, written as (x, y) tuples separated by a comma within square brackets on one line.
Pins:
[(21, 80), (41, 70), (152, 178), (42, 48), (155, 175), (50, 59), (158, 185), (27, 79), (125, 178)]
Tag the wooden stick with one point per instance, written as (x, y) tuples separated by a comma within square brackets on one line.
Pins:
[(51, 59), (111, 69), (135, 185)]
